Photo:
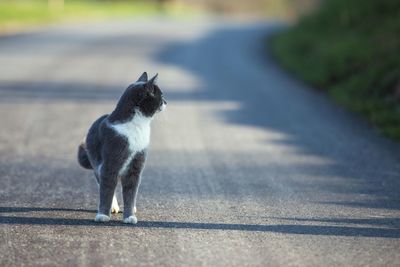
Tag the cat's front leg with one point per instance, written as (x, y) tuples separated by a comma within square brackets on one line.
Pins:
[(130, 185), (107, 189), (114, 207)]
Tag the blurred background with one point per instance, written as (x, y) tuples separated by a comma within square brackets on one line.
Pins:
[(277, 147), (17, 12), (345, 48)]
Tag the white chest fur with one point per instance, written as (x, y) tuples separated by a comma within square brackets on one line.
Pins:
[(137, 134)]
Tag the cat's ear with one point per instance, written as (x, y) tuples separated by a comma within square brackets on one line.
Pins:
[(143, 77), (153, 81), (150, 84)]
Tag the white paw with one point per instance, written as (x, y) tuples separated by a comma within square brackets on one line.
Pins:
[(101, 218), (114, 206), (131, 219), (134, 209)]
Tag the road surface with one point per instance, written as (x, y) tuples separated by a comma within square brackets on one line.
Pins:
[(247, 166)]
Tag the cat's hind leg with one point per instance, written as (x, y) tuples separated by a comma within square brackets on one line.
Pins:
[(114, 205)]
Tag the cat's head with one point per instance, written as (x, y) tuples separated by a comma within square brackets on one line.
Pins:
[(147, 96)]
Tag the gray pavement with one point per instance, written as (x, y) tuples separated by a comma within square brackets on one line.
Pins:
[(247, 167)]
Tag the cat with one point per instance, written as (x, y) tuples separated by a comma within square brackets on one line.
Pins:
[(116, 146)]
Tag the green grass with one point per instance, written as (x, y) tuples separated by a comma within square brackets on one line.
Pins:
[(21, 13), (350, 48)]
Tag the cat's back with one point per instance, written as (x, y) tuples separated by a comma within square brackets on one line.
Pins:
[(95, 128), (93, 138)]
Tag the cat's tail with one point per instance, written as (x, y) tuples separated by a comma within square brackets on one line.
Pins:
[(83, 157)]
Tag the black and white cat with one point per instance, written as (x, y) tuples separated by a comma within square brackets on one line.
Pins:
[(116, 146)]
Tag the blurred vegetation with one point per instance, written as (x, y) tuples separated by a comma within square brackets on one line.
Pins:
[(350, 48), (281, 9), (21, 13)]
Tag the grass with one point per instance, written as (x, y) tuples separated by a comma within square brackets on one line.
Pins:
[(23, 13), (349, 48)]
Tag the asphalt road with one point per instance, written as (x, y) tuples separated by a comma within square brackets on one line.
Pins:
[(247, 166)]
